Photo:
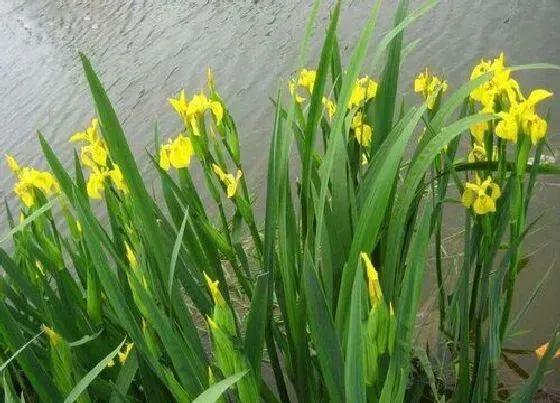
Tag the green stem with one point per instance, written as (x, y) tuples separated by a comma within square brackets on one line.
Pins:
[(516, 228), (439, 275)]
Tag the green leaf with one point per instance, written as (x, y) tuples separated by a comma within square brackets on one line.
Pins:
[(32, 217), (34, 370), (9, 393), (387, 92), (86, 339), (125, 378), (175, 253), (354, 379), (214, 392), (91, 375), (256, 324), (16, 353), (323, 334), (527, 391), (406, 309), (121, 154), (336, 150), (316, 109), (421, 164), (376, 192)]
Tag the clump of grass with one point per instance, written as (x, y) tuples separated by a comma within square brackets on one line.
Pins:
[(327, 290)]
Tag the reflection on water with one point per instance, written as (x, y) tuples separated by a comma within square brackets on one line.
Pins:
[(146, 51)]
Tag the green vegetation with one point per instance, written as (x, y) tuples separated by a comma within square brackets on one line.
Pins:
[(145, 306)]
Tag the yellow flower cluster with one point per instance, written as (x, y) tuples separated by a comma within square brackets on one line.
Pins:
[(499, 84), (427, 85), (176, 153), (30, 180), (364, 89), (481, 196), (192, 112), (231, 182), (522, 117), (95, 156), (502, 95)]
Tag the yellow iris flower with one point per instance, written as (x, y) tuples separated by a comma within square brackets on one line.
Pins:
[(54, 337), (29, 180), (374, 288), (305, 80), (363, 131), (364, 89), (427, 84), (478, 153), (231, 182), (499, 84), (481, 196), (191, 112), (330, 106), (541, 351), (130, 256), (123, 356), (214, 290), (96, 181), (95, 152), (522, 117), (176, 153)]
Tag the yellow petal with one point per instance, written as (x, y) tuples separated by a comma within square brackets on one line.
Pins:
[(181, 152), (194, 126), (12, 163), (79, 136), (478, 130), (507, 128), (218, 111), (27, 198), (484, 204), (214, 289), (218, 171), (420, 83), (54, 337), (358, 95), (374, 288), (537, 96), (99, 154), (118, 179), (123, 356), (538, 130), (364, 135), (467, 198), (495, 191), (96, 182), (541, 351), (164, 159), (371, 91), (179, 104), (130, 256)]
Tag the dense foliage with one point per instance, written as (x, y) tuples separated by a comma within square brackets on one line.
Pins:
[(176, 298)]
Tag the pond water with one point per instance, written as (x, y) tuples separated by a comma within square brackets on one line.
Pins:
[(146, 51)]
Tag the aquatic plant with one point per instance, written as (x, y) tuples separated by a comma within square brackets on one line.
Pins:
[(324, 296)]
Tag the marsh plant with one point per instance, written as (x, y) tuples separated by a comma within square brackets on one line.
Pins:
[(180, 298)]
